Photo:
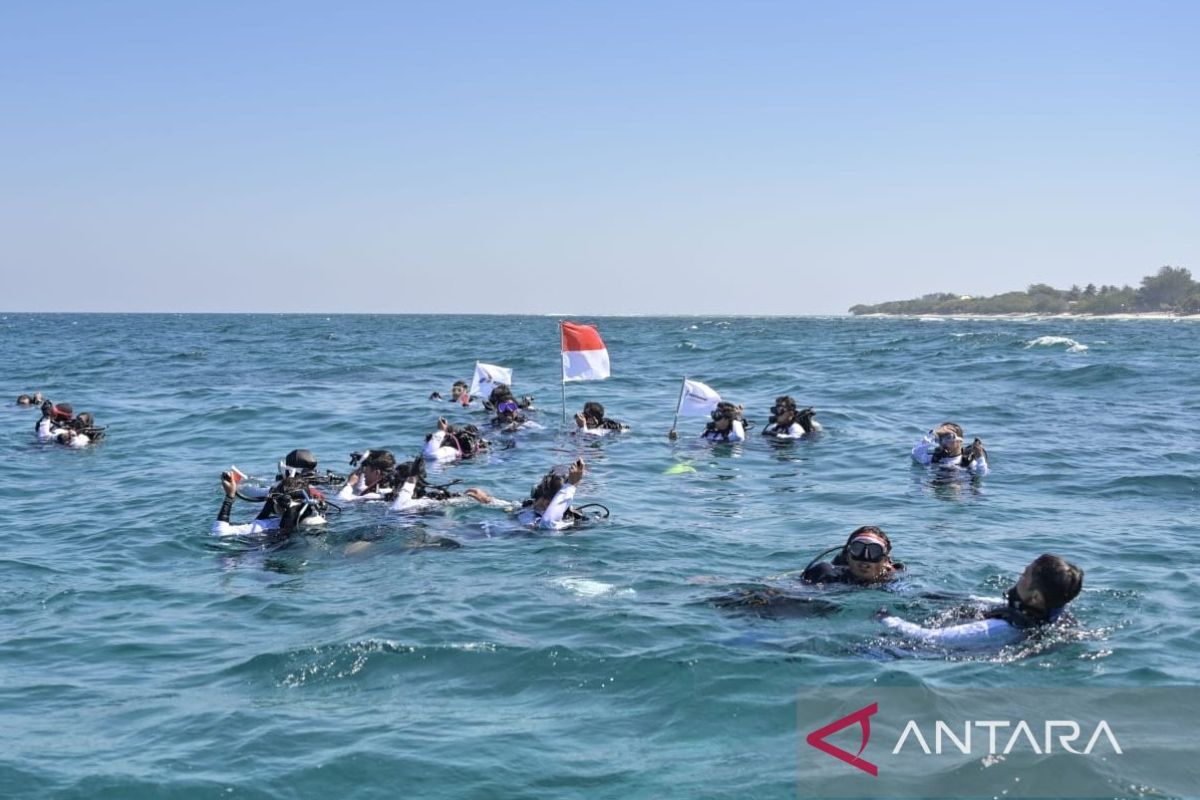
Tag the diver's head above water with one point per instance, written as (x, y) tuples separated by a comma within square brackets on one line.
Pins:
[(949, 437), (723, 417), (867, 555), (1046, 586)]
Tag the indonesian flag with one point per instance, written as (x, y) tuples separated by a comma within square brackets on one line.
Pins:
[(697, 399), (584, 356), (486, 378)]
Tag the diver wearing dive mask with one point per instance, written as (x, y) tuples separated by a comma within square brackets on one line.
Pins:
[(865, 558), (943, 447), (789, 422), (372, 479), (592, 420), (727, 424)]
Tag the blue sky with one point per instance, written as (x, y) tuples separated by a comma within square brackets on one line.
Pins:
[(591, 158)]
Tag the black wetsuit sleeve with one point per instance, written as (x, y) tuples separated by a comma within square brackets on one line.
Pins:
[(824, 572), (226, 508), (268, 511)]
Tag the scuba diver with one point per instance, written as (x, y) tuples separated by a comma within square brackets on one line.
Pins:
[(508, 410), (452, 442), (459, 393), (413, 492), (943, 447), (289, 505), (299, 463), (34, 399), (372, 479), (787, 422), (864, 559), (592, 420), (501, 392), (548, 506), (727, 424), (1040, 597), (59, 424), (55, 417)]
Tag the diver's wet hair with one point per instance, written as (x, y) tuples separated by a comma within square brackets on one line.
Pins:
[(726, 410), (549, 485), (61, 411), (954, 426), (1057, 579), (381, 460), (500, 393), (409, 469), (593, 412), (460, 385), (783, 403)]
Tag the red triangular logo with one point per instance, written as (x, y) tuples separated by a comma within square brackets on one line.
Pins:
[(863, 718)]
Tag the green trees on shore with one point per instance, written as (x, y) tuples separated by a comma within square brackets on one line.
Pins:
[(1170, 289)]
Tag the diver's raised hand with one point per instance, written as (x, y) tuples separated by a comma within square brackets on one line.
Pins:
[(580, 420), (443, 425), (228, 484), (575, 473)]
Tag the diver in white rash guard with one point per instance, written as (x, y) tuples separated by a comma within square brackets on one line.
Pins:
[(549, 503), (1041, 595), (451, 442), (727, 424), (291, 504), (789, 423), (59, 424), (414, 493), (372, 480), (592, 420), (943, 447)]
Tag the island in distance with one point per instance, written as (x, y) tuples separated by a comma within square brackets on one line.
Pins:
[(1170, 291)]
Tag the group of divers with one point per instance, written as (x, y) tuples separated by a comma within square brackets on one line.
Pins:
[(298, 500)]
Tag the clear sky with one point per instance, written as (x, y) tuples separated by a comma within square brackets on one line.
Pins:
[(589, 157)]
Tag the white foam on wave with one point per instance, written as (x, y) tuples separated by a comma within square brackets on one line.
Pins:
[(586, 587), (1053, 341)]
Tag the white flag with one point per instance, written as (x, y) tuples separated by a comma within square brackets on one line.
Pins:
[(698, 399), (486, 378)]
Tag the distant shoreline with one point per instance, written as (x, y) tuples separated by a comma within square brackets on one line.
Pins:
[(1168, 315)]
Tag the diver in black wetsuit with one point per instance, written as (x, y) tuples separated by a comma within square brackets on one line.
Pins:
[(865, 559)]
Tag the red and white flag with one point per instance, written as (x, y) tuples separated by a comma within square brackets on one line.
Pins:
[(584, 356)]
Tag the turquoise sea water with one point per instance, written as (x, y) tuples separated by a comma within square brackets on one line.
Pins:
[(140, 657)]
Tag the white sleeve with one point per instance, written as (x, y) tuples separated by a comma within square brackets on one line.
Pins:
[(221, 528), (553, 515), (346, 493), (80, 440), (984, 632), (44, 433), (404, 499), (434, 449), (737, 431), (980, 466), (922, 451)]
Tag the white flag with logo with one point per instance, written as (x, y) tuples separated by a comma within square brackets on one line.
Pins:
[(486, 378), (698, 399)]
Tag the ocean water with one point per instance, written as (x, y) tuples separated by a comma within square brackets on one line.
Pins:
[(141, 657)]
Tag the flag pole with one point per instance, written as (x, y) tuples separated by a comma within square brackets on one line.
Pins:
[(564, 376), (682, 387)]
